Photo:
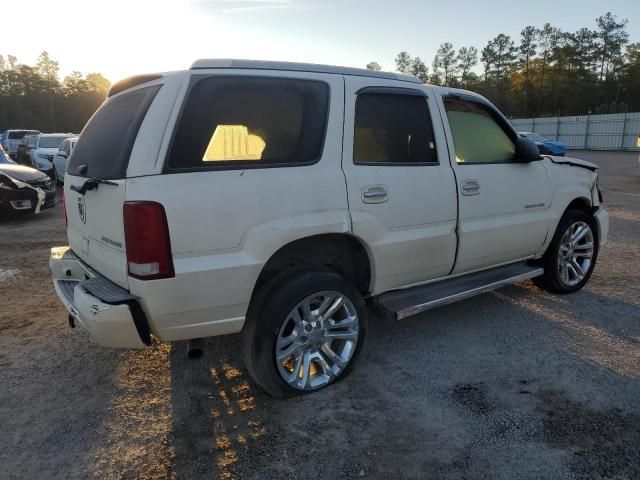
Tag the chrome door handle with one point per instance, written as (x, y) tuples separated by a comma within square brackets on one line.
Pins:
[(375, 194), (470, 187)]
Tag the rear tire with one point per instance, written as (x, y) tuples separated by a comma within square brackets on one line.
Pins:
[(571, 256), (304, 331)]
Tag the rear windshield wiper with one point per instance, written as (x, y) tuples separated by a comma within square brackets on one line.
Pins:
[(91, 184)]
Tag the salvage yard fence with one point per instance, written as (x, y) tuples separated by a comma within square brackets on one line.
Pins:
[(618, 131)]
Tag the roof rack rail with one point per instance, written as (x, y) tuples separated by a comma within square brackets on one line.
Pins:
[(298, 67)]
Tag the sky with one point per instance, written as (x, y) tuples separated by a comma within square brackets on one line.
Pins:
[(124, 37)]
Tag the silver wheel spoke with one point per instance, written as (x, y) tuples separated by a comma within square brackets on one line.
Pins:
[(295, 374), (577, 268), (348, 335), (288, 351), (306, 369), (579, 234), (337, 303), (306, 308), (333, 356), (324, 305), (571, 270), (295, 316), (285, 341), (345, 322), (584, 246), (564, 272)]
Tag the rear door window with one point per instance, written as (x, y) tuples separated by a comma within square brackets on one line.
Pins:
[(103, 149), (250, 121), (392, 129)]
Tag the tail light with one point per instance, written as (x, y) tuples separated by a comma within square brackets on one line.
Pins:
[(146, 236)]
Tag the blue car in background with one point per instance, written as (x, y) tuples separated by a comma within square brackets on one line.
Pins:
[(545, 145)]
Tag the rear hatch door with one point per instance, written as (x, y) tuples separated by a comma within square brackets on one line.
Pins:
[(95, 183)]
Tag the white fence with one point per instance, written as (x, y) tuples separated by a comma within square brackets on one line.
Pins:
[(618, 131)]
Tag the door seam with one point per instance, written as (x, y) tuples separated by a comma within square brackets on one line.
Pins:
[(344, 175), (438, 100)]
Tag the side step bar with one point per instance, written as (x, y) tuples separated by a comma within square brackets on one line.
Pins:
[(411, 301)]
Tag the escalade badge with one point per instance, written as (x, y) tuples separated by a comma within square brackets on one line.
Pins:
[(82, 209)]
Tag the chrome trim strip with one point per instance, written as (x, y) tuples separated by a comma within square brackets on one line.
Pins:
[(421, 307)]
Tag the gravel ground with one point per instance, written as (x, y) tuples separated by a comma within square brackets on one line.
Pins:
[(516, 383)]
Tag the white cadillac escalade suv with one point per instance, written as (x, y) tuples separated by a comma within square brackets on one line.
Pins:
[(272, 199)]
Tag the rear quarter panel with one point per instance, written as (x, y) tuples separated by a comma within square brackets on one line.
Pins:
[(225, 224)]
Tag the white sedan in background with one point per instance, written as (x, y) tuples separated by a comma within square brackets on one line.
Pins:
[(61, 158)]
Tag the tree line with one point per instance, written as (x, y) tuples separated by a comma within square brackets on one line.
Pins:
[(548, 72), (34, 97)]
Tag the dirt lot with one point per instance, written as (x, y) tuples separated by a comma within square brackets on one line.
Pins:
[(512, 384)]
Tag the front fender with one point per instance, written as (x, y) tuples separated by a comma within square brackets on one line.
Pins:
[(568, 183)]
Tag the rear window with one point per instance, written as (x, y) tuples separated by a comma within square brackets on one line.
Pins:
[(251, 121), (104, 147), (18, 134), (51, 142)]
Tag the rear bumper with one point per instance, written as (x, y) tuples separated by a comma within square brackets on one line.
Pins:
[(110, 314), (602, 219)]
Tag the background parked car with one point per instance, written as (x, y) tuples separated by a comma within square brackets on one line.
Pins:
[(11, 139), (23, 152), (545, 145), (15, 197), (61, 158), (39, 150), (4, 156)]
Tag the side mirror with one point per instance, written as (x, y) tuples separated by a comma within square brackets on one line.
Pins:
[(62, 154), (526, 150)]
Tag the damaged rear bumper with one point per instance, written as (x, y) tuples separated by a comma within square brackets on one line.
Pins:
[(112, 316)]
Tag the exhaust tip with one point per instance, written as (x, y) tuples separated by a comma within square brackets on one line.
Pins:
[(195, 348)]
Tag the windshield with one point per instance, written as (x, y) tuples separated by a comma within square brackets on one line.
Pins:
[(51, 142), (18, 134), (536, 137)]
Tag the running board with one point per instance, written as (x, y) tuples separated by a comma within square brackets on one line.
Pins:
[(411, 301)]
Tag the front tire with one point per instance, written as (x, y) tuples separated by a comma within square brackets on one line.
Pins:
[(303, 332), (571, 257)]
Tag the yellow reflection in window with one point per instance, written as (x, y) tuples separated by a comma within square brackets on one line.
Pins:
[(234, 142)]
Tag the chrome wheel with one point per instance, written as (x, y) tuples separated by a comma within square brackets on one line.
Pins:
[(575, 253), (317, 340)]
